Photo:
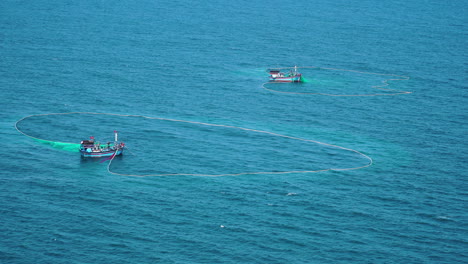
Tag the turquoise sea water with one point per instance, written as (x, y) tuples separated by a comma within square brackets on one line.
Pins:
[(205, 63)]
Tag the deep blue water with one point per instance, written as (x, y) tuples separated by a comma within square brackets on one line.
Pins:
[(206, 62)]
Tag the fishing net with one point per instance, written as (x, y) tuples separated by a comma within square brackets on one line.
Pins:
[(162, 146)]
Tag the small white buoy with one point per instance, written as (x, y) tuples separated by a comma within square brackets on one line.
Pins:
[(221, 226)]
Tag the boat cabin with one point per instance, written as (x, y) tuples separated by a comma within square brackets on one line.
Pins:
[(275, 73), (87, 143)]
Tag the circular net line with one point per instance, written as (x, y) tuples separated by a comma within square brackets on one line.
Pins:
[(369, 159)]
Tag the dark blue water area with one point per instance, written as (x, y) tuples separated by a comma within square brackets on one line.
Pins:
[(184, 84)]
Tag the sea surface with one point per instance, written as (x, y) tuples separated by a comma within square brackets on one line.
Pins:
[(360, 175)]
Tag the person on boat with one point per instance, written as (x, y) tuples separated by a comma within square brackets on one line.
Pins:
[(97, 146)]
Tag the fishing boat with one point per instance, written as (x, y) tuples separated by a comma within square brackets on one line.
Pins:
[(92, 148), (292, 76)]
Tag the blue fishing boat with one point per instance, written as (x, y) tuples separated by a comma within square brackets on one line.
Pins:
[(292, 76), (94, 149)]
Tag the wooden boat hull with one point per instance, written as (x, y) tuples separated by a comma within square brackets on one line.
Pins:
[(100, 154), (296, 78)]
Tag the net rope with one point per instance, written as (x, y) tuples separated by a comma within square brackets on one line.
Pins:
[(369, 159)]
